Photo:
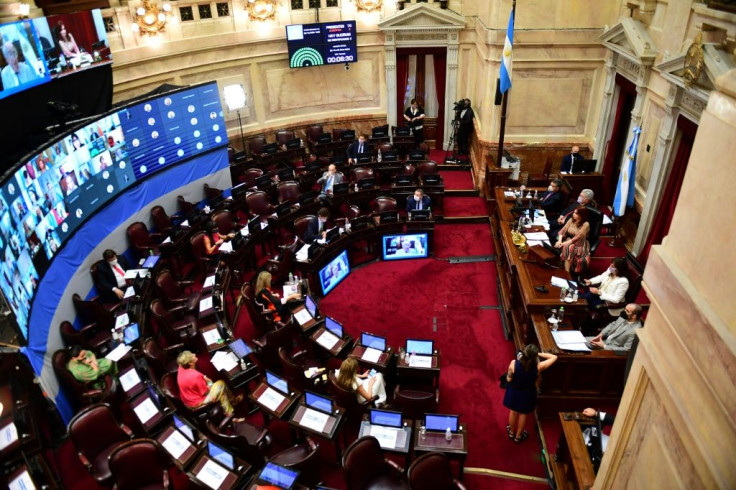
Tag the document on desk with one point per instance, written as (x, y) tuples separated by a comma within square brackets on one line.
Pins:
[(226, 247), (245, 231), (302, 316), (509, 194), (537, 235), (271, 399), (570, 340), (328, 340), (129, 379), (314, 420), (121, 321), (420, 361), (205, 304), (146, 410), (303, 254), (386, 437), (563, 283), (131, 274), (264, 224), (185, 223), (209, 281), (371, 355), (212, 474), (118, 352), (168, 240), (211, 336), (22, 482), (129, 292), (224, 361), (8, 435), (176, 444)]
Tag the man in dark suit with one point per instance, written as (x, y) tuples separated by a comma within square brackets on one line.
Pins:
[(465, 128), (317, 227), (417, 201), (572, 162), (356, 148), (414, 117), (584, 199), (551, 201), (110, 280)]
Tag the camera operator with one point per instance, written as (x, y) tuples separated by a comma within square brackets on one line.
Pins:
[(464, 115), (414, 116)]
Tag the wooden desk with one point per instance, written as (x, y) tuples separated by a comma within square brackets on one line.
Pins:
[(280, 412), (571, 463), (404, 370), (403, 438), (149, 412), (577, 379), (455, 448), (337, 348), (231, 477), (329, 432), (383, 360), (186, 449)]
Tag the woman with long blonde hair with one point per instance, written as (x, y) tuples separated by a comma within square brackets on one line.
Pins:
[(270, 299), (364, 385)]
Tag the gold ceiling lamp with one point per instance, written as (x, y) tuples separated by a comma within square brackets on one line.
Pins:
[(368, 5), (261, 9), (150, 19)]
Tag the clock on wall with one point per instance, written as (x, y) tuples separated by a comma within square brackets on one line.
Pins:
[(694, 61)]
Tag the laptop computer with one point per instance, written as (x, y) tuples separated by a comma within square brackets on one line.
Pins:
[(278, 476), (277, 383), (286, 174), (367, 183), (373, 341), (131, 333), (239, 191), (293, 143), (403, 131), (151, 261), (324, 138), (333, 327), (318, 402), (240, 348), (270, 148), (283, 208), (311, 306), (440, 423), (419, 214), (403, 180), (359, 223), (263, 181), (216, 201), (220, 455), (332, 234), (184, 428), (254, 225), (421, 347), (386, 418), (341, 188), (389, 156)]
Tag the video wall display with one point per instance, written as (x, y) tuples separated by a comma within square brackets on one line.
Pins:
[(38, 50), (49, 195), (405, 246), (326, 43)]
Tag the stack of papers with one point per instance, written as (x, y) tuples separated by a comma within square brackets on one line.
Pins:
[(121, 321), (570, 340), (271, 399), (245, 231), (313, 371), (211, 337), (371, 355), (212, 474), (8, 435), (290, 289), (129, 292), (303, 254), (167, 240), (131, 274), (226, 247), (328, 340), (536, 238), (224, 361), (118, 352), (176, 444), (22, 482), (509, 194), (209, 282), (146, 410), (205, 304), (563, 283), (420, 361), (129, 380)]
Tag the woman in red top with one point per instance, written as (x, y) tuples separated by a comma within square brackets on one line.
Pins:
[(196, 389)]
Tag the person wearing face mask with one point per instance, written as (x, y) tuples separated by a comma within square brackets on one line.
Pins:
[(613, 287), (111, 282), (572, 162), (317, 227), (551, 201), (418, 201), (584, 199), (619, 335)]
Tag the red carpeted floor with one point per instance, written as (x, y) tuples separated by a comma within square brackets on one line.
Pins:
[(457, 180), (464, 206)]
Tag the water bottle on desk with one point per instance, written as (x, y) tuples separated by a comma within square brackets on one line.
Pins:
[(422, 432), (561, 315), (291, 278), (448, 434)]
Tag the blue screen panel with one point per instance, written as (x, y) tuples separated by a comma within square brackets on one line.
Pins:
[(373, 341), (334, 272)]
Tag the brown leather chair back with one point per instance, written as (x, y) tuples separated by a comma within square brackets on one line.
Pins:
[(361, 173), (414, 402), (283, 136), (258, 204), (211, 192), (427, 168), (168, 286), (363, 462), (157, 359), (224, 221), (270, 343), (256, 144), (93, 312), (301, 224), (292, 371), (288, 192), (384, 203), (161, 220), (314, 132), (139, 464), (409, 169), (251, 175), (185, 207), (432, 471)]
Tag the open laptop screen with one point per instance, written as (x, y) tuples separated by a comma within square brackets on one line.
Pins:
[(276, 382), (438, 422), (184, 428), (151, 261), (374, 341), (422, 347), (239, 348), (278, 476), (311, 306), (131, 333), (333, 326), (321, 403), (386, 418), (219, 454)]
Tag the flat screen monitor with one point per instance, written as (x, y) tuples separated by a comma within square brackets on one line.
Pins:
[(359, 222), (388, 216), (416, 155), (322, 43), (263, 181), (389, 156), (373, 341), (367, 183), (318, 402), (364, 157), (306, 197), (419, 214), (278, 476), (221, 456), (283, 208), (285, 174), (334, 272), (347, 135), (387, 418), (276, 382), (23, 64), (239, 191), (440, 423), (131, 333), (379, 132), (432, 179), (338, 159), (403, 180), (421, 347), (239, 348), (324, 138), (332, 234), (333, 326), (405, 246), (151, 261), (184, 428), (403, 131), (340, 188), (293, 143), (270, 148), (311, 306), (254, 225)]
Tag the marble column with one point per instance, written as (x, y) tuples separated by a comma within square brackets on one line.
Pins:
[(450, 82), (391, 89)]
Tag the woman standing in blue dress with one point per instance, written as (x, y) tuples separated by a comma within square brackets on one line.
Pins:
[(521, 393)]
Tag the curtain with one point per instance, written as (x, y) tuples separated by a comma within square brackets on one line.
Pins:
[(81, 25), (402, 77), (440, 67), (671, 191), (430, 91), (615, 144)]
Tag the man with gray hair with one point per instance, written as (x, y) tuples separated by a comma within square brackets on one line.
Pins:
[(619, 335), (16, 72), (584, 199)]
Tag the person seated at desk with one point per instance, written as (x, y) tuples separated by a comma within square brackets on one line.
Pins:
[(409, 248), (317, 226), (614, 285), (15, 72), (356, 148), (196, 389), (212, 239), (606, 420), (271, 300), (66, 41), (418, 201), (573, 241), (328, 180), (584, 199), (85, 366), (551, 201), (364, 385), (619, 335), (111, 277), (572, 161)]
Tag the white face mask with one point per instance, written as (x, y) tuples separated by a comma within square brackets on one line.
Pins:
[(113, 262), (612, 270), (580, 200), (417, 198), (550, 189)]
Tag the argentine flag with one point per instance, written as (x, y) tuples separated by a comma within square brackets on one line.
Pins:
[(625, 189), (507, 55)]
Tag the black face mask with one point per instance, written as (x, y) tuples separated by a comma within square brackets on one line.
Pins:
[(624, 315)]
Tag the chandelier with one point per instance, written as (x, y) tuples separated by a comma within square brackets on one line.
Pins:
[(150, 19), (261, 9), (368, 5)]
